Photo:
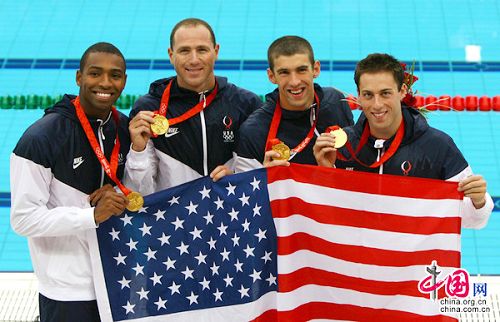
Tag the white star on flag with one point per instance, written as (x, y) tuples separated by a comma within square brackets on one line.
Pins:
[(150, 254), (225, 254), (233, 214), (236, 240), (164, 239), (267, 256), (174, 288), (159, 214), (244, 199), (244, 291), (218, 295), (222, 229), (246, 225), (124, 282), (114, 234), (205, 284), (132, 244), (129, 308), (238, 265), (169, 263), (256, 210), (143, 294), (219, 203), (156, 279), (174, 200), (249, 251), (208, 217), (196, 233), (215, 269), (229, 280), (120, 259), (127, 220), (193, 298), (138, 269), (230, 189), (201, 258), (211, 243), (255, 275), (205, 193), (271, 279), (188, 273), (178, 223), (191, 208), (261, 234), (255, 184), (183, 248), (146, 230), (160, 303)]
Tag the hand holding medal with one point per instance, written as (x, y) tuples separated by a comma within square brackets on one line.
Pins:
[(339, 134), (160, 125), (281, 148)]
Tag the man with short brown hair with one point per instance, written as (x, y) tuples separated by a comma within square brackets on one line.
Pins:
[(391, 138), (204, 113), (295, 113)]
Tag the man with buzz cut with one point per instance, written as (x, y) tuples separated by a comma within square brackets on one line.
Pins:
[(201, 114), (60, 190), (392, 138), (294, 114)]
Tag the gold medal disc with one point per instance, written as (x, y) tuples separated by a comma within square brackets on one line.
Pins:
[(135, 201), (160, 125), (340, 138), (283, 150)]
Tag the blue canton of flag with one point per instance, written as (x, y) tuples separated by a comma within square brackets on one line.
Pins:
[(196, 246)]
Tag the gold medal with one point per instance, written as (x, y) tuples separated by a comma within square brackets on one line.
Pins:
[(135, 201), (283, 150), (340, 137), (160, 125)]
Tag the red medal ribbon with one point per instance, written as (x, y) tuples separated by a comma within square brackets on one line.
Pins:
[(109, 167), (191, 112), (275, 123), (364, 138)]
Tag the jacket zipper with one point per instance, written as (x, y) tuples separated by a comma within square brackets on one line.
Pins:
[(204, 135), (100, 135)]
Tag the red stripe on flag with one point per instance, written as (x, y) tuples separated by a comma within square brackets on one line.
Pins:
[(312, 276), (321, 310), (356, 218), (366, 182), (366, 255)]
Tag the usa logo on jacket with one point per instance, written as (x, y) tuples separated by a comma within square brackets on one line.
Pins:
[(227, 134)]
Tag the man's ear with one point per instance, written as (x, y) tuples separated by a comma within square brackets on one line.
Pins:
[(217, 47), (316, 68), (270, 75), (78, 77), (170, 55), (404, 90)]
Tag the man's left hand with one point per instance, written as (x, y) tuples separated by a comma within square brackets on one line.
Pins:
[(219, 172), (97, 195), (474, 187)]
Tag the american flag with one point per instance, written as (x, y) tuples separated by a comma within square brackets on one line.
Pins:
[(342, 246)]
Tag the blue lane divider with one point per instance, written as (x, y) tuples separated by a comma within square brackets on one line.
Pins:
[(332, 65)]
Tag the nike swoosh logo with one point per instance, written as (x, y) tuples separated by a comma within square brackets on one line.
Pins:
[(167, 135), (76, 165)]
